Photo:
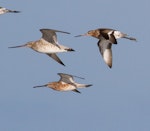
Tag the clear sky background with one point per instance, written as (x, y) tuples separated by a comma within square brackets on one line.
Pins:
[(119, 99)]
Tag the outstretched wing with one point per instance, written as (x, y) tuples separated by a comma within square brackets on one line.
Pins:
[(105, 50), (50, 35), (56, 58), (68, 78)]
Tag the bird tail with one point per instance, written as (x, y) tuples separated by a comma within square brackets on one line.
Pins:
[(69, 49), (119, 34), (83, 85), (13, 11), (65, 48)]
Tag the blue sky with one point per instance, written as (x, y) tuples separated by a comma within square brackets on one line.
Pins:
[(119, 98)]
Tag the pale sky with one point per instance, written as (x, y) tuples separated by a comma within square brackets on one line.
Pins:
[(119, 99)]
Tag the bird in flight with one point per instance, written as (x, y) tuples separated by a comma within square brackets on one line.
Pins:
[(66, 83), (106, 37), (48, 44), (4, 10)]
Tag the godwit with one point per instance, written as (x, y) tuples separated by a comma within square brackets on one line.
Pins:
[(4, 10), (48, 44), (106, 37), (66, 83)]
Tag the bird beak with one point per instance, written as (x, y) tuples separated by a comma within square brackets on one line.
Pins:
[(40, 86), (82, 35), (18, 46)]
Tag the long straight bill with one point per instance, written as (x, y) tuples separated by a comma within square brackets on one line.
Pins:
[(18, 46)]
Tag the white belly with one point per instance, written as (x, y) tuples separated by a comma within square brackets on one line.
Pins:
[(49, 49), (69, 88), (43, 46)]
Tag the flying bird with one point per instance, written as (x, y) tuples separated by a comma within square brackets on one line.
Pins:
[(106, 37), (48, 44), (4, 10), (66, 83)]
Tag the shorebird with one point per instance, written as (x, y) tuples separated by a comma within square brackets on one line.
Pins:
[(4, 10), (66, 83), (106, 37), (48, 44)]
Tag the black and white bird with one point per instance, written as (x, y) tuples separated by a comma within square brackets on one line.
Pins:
[(106, 37)]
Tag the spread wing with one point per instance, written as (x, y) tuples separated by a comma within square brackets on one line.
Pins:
[(56, 58), (68, 78), (105, 50), (50, 35)]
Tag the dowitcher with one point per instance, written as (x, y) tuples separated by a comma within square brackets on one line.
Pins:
[(4, 10), (66, 83), (48, 44), (106, 37)]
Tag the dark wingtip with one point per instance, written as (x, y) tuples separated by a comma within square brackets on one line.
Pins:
[(110, 66), (60, 62), (54, 30), (67, 32), (75, 90), (63, 64)]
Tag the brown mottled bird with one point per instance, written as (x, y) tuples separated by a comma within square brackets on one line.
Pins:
[(106, 37), (66, 83), (4, 10), (48, 44)]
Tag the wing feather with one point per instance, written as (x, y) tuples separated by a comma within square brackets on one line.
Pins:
[(50, 35), (68, 78), (56, 58), (105, 50)]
